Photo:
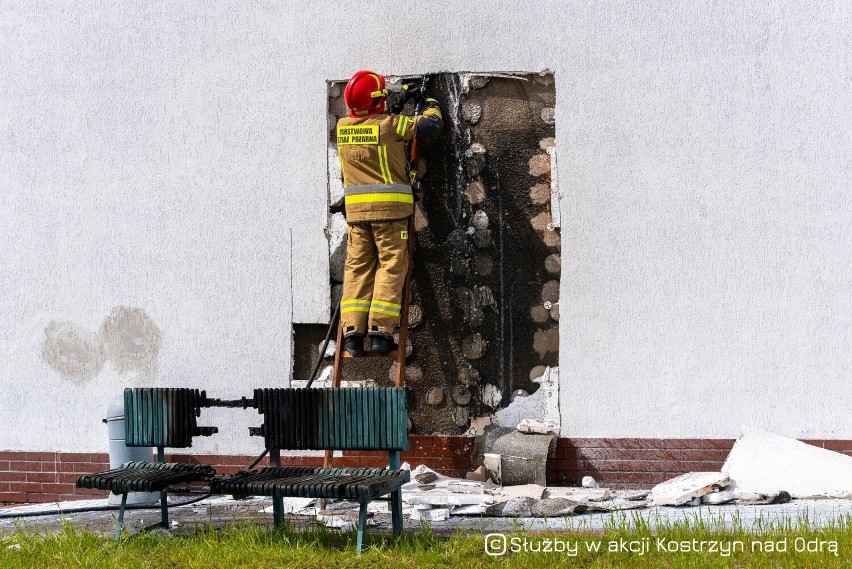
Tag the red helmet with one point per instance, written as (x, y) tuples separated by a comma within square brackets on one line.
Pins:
[(365, 94)]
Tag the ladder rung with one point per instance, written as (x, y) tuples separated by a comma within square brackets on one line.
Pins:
[(390, 354)]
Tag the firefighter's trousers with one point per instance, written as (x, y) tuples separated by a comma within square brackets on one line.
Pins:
[(374, 275)]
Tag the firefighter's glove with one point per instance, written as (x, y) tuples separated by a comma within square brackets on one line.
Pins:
[(433, 109), (412, 91)]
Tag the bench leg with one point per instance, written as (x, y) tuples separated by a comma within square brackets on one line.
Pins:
[(277, 510), (277, 501), (164, 510), (120, 522), (396, 511), (362, 525)]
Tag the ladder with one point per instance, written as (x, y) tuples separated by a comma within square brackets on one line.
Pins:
[(341, 354), (399, 354)]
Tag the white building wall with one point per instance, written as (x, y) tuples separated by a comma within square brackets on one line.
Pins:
[(172, 157)]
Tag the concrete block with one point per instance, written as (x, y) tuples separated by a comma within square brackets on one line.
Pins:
[(766, 463), (524, 457), (614, 505), (555, 508), (579, 494), (535, 491), (431, 515), (472, 510), (439, 498), (465, 487), (684, 488)]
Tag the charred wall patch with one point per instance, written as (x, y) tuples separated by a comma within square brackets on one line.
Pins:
[(487, 264)]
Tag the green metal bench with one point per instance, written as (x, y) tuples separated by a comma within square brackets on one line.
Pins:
[(328, 419), (155, 417)]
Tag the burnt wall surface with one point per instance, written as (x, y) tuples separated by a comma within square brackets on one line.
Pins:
[(485, 291)]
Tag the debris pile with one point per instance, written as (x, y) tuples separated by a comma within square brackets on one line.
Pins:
[(762, 468)]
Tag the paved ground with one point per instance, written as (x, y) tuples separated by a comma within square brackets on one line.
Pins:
[(221, 511)]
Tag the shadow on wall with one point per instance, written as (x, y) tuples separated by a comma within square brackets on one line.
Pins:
[(128, 337)]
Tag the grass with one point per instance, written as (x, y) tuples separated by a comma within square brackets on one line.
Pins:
[(627, 541)]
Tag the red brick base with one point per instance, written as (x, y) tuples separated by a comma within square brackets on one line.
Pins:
[(616, 463)]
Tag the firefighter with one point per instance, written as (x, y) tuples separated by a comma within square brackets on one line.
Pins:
[(371, 144)]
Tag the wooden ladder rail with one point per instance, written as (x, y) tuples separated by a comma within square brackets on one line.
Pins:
[(340, 353)]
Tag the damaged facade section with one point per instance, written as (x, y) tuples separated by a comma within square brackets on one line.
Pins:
[(487, 265)]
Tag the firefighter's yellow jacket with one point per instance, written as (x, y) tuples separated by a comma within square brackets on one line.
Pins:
[(373, 161)]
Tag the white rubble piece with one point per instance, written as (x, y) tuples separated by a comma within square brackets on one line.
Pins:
[(555, 196), (534, 491), (614, 505), (538, 427), (465, 487), (579, 494), (431, 515), (720, 497), (766, 463), (344, 522), (472, 510), (589, 482), (686, 487), (539, 412), (293, 505), (477, 425), (432, 498), (335, 178), (493, 464)]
